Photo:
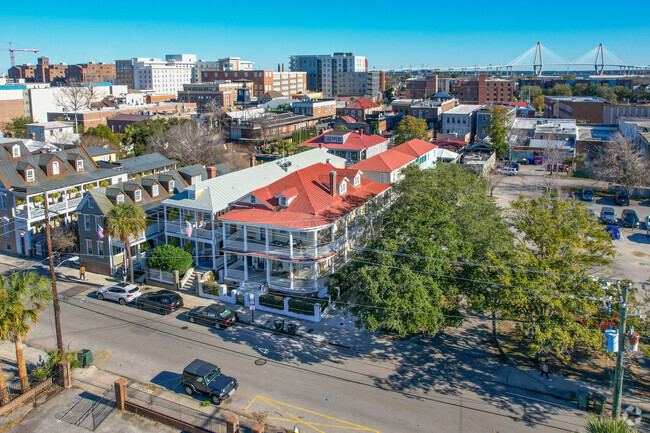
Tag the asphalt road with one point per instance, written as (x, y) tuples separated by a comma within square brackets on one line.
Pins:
[(325, 388)]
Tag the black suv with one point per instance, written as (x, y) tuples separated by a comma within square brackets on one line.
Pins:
[(630, 218), (213, 315), (205, 378), (164, 301), (622, 199)]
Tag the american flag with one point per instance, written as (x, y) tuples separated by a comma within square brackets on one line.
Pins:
[(100, 232)]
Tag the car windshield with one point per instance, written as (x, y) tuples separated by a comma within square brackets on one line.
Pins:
[(212, 375), (225, 313)]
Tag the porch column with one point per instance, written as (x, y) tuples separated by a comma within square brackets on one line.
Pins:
[(315, 265), (165, 220), (332, 264), (180, 222), (196, 250), (225, 265), (245, 268), (332, 236), (291, 275), (291, 244), (345, 247), (65, 198), (266, 238), (268, 271), (29, 214), (213, 244), (315, 243), (245, 239), (223, 231)]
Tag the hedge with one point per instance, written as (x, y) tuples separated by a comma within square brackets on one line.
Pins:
[(272, 301), (305, 307), (170, 258), (211, 288)]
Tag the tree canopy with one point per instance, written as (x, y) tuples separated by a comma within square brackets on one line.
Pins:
[(124, 221), (498, 130), (18, 126), (443, 214), (623, 163), (137, 134), (169, 258), (409, 128)]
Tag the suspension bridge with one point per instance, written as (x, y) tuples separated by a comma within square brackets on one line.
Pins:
[(540, 58)]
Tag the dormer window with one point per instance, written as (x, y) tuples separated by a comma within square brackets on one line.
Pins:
[(252, 199), (15, 151), (283, 200), (80, 165), (29, 175), (343, 188), (55, 168), (357, 180), (120, 198), (171, 185), (138, 195), (154, 191)]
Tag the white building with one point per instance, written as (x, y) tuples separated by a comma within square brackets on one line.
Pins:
[(460, 120), (53, 132), (164, 76)]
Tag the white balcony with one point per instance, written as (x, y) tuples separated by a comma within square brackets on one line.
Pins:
[(173, 228), (56, 209)]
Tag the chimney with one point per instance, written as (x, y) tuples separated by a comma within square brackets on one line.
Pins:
[(320, 145), (360, 131), (283, 67), (32, 136), (278, 67), (212, 172), (333, 183), (252, 160)]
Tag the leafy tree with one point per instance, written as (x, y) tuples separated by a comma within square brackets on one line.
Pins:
[(442, 213), (409, 128), (498, 130), (24, 296), (538, 104), (555, 238), (18, 126), (580, 89), (607, 93), (123, 221), (137, 134), (103, 131), (342, 127), (569, 77), (560, 90), (169, 258), (623, 163), (529, 92), (284, 147)]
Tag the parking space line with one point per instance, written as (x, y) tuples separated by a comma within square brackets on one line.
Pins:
[(103, 355), (249, 404)]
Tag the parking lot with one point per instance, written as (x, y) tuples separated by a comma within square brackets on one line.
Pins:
[(632, 249)]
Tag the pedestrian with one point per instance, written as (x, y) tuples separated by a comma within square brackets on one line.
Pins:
[(124, 275), (82, 273), (544, 368)]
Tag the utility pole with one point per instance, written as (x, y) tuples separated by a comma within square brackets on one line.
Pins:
[(55, 294), (618, 377)]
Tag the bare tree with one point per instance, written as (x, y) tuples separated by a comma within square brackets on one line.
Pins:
[(74, 97), (493, 178), (552, 156), (623, 163), (65, 238)]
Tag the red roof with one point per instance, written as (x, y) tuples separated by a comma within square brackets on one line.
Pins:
[(450, 144), (313, 205), (397, 157), (354, 141), (349, 119), (362, 103), (522, 104)]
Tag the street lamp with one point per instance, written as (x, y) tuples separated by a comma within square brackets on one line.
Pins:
[(73, 259)]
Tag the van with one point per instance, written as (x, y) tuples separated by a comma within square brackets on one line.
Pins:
[(508, 171), (608, 216)]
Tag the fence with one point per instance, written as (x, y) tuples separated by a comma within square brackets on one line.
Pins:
[(40, 390), (138, 400), (161, 276)]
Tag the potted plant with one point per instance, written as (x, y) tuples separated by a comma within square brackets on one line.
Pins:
[(20, 200), (73, 192), (37, 199), (103, 183), (89, 187), (55, 197)]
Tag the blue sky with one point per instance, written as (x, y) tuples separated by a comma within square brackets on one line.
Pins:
[(392, 34)]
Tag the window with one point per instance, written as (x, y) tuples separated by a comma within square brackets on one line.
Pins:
[(283, 201), (343, 188), (29, 175), (15, 151), (80, 165), (138, 195), (55, 168), (171, 185), (154, 190), (87, 222), (100, 248), (98, 221), (120, 198), (3, 200), (5, 226), (252, 199), (89, 247)]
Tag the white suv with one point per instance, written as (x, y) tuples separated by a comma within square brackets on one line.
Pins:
[(508, 171), (121, 292)]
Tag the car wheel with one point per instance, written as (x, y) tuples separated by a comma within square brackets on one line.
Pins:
[(100, 296), (192, 319), (215, 399), (122, 301), (189, 390), (218, 325)]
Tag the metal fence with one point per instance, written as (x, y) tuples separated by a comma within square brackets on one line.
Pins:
[(14, 387), (178, 411)]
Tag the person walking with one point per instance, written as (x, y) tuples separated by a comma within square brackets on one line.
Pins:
[(82, 273), (124, 275), (544, 369)]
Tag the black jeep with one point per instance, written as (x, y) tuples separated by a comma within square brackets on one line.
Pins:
[(205, 378)]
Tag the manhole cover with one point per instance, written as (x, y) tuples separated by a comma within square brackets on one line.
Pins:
[(260, 361), (184, 327)]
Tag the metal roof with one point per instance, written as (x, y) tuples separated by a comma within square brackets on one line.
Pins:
[(146, 162)]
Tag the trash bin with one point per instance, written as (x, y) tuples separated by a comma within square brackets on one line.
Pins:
[(279, 325), (599, 404), (85, 357), (291, 328), (583, 400)]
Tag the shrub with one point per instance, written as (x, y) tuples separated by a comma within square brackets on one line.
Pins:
[(211, 288), (74, 190), (38, 199), (103, 183), (188, 246), (305, 307), (145, 246), (333, 293), (89, 186), (607, 425), (169, 258), (272, 301), (20, 200), (56, 195)]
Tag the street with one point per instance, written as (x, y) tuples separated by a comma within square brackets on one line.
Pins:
[(322, 387)]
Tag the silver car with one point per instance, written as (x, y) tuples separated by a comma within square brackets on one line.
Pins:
[(123, 293)]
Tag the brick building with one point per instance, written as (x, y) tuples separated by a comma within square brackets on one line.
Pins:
[(46, 72), (421, 87), (268, 128), (91, 73), (224, 93), (124, 73), (482, 90), (359, 109), (287, 83), (318, 108), (585, 108)]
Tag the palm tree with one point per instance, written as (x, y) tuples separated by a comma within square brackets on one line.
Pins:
[(4, 395), (597, 424), (24, 296), (122, 222)]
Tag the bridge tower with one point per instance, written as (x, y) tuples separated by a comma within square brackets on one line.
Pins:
[(537, 68), (599, 63)]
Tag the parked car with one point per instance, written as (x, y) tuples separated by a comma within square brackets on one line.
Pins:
[(205, 378), (508, 171), (630, 218), (587, 195), (164, 301), (608, 216), (622, 199), (647, 223), (213, 315), (613, 232), (123, 293), (513, 164)]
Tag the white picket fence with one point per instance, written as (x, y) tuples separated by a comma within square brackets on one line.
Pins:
[(161, 276)]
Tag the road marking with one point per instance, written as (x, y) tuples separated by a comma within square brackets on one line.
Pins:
[(103, 355), (249, 404)]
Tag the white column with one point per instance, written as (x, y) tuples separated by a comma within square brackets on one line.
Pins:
[(315, 243), (213, 244), (245, 268), (180, 221), (315, 276), (245, 238), (223, 231), (266, 236), (225, 265), (332, 236), (196, 251), (290, 275), (291, 244), (345, 246), (268, 271)]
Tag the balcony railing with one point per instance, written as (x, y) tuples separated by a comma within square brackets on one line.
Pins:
[(173, 227), (59, 208)]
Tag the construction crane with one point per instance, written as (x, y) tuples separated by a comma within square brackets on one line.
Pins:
[(12, 50)]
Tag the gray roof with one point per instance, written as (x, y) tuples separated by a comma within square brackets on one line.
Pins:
[(97, 151), (463, 109), (217, 193), (146, 162)]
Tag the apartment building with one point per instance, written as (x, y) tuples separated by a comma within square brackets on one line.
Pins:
[(53, 132), (318, 108), (124, 73), (460, 121), (428, 109), (269, 127), (584, 108), (482, 90), (223, 93), (46, 72), (163, 76), (91, 73), (354, 146), (287, 83), (103, 254), (421, 87)]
